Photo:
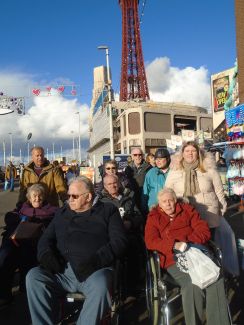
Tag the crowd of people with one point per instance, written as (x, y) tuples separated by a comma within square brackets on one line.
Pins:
[(81, 229)]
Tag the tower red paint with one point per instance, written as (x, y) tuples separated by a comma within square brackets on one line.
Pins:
[(133, 82)]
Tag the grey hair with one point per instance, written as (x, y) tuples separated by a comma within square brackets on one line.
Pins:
[(167, 190), (112, 175), (37, 148), (39, 188), (84, 180), (137, 148)]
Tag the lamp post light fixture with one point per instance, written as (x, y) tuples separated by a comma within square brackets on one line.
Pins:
[(111, 130), (79, 138)]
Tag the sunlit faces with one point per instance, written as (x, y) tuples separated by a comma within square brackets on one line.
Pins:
[(161, 163), (190, 154), (111, 185), (79, 197), (110, 169), (167, 203), (137, 156), (36, 199), (37, 157)]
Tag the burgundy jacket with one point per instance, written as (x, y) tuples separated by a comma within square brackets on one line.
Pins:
[(161, 233)]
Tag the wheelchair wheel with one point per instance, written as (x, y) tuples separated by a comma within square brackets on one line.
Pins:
[(152, 298)]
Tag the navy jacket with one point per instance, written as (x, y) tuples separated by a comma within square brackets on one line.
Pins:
[(98, 232)]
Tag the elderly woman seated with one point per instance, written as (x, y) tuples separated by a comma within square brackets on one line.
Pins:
[(21, 254), (170, 226)]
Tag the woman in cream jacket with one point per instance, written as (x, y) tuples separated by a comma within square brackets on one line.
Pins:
[(194, 176)]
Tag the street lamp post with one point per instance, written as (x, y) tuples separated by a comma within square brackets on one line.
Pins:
[(73, 136), (111, 130), (11, 146), (61, 152), (4, 154), (53, 152), (79, 138)]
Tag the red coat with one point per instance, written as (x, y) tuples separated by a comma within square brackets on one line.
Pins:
[(161, 233)]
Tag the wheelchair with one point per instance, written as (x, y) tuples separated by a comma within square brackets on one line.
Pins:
[(162, 290), (72, 303)]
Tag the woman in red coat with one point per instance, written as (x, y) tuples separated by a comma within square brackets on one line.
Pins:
[(170, 226)]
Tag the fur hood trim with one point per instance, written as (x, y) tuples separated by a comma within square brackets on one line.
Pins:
[(208, 161)]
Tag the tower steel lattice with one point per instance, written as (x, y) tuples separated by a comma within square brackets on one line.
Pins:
[(133, 82)]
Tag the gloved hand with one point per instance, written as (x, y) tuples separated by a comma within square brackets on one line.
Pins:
[(92, 265), (52, 262)]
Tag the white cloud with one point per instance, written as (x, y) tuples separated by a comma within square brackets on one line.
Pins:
[(171, 84), (54, 118), (48, 118)]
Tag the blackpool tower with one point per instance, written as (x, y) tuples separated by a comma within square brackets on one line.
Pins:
[(133, 82)]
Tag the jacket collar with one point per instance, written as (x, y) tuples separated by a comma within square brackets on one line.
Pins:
[(162, 215)]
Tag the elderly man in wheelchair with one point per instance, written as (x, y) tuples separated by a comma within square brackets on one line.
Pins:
[(76, 254), (171, 227)]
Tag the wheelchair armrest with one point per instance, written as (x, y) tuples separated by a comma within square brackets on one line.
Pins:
[(75, 296), (215, 250)]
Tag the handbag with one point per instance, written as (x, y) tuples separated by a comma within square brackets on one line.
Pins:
[(202, 270), (27, 230)]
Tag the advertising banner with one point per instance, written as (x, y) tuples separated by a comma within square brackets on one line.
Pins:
[(188, 135), (176, 140), (220, 83)]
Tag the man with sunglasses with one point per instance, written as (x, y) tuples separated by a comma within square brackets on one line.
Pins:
[(76, 254), (136, 172)]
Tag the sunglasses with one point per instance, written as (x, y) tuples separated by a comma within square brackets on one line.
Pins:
[(76, 196), (108, 168), (137, 154)]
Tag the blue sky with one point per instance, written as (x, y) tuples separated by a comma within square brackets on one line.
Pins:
[(49, 40)]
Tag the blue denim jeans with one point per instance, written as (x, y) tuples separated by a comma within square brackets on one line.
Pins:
[(9, 184), (44, 291)]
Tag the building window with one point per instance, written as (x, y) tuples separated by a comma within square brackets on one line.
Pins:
[(206, 124), (182, 122), (157, 122), (134, 123)]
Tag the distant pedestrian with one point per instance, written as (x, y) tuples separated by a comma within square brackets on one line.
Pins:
[(21, 169), (71, 173), (10, 175)]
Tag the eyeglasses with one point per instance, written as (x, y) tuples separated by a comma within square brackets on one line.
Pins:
[(108, 168), (76, 196), (137, 154)]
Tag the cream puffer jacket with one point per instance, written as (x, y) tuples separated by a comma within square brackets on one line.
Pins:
[(210, 202)]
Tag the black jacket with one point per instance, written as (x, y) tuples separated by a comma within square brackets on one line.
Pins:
[(126, 201), (136, 178), (97, 233)]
